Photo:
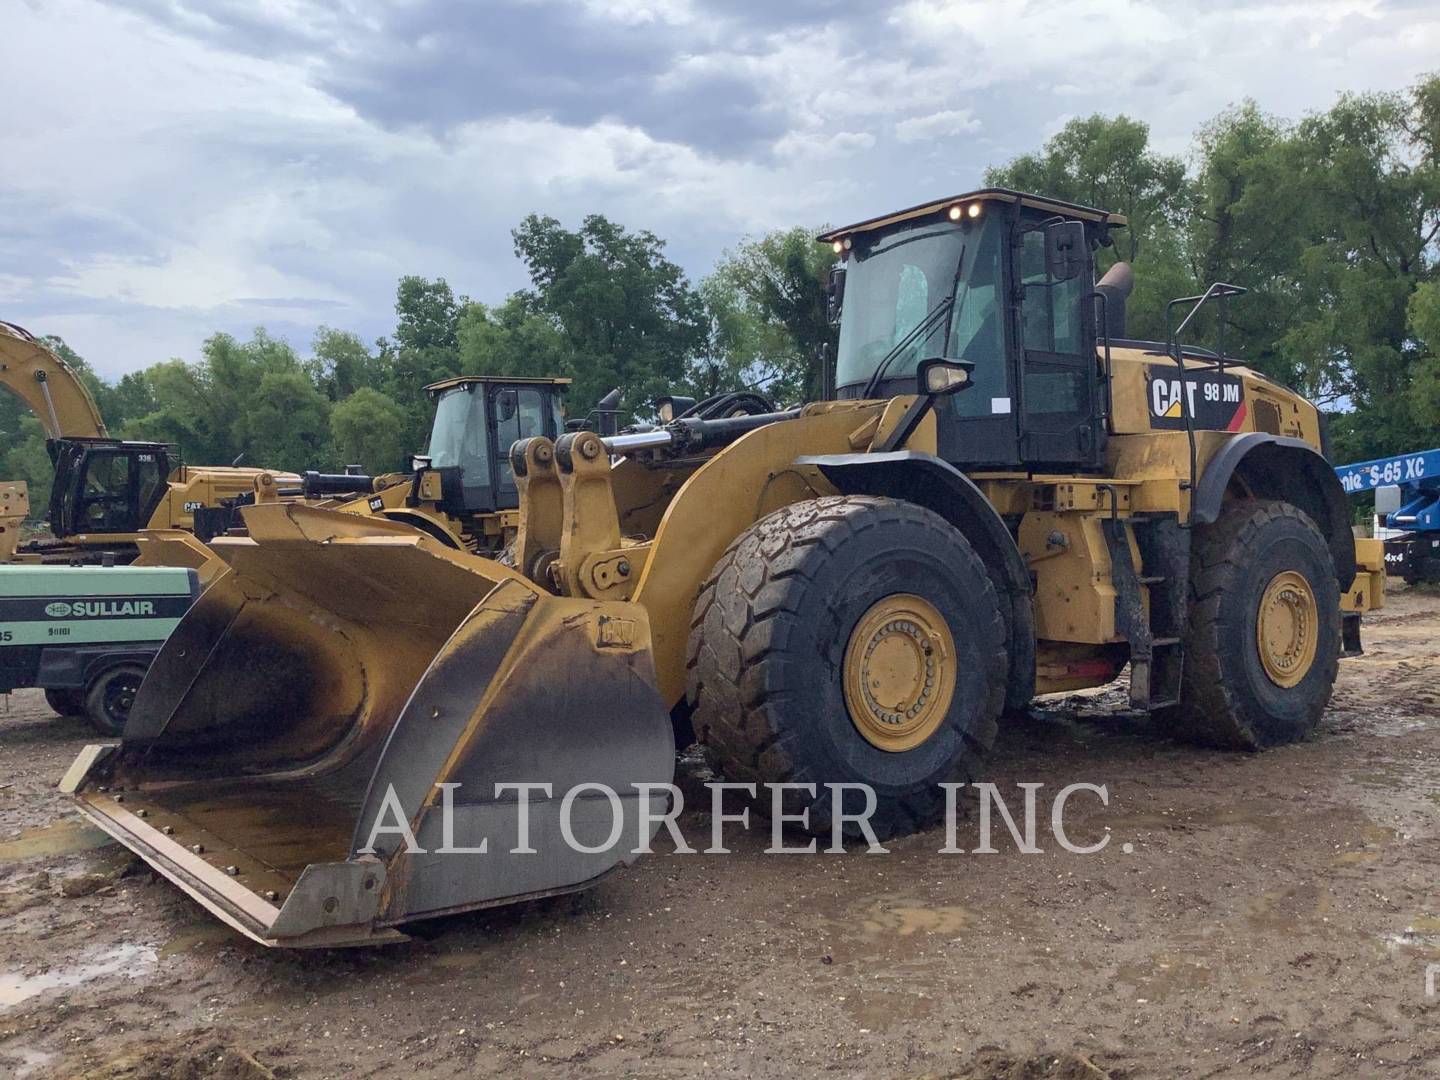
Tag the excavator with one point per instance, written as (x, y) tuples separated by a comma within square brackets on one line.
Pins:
[(106, 491), (1000, 495)]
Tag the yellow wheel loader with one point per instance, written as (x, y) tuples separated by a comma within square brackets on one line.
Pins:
[(105, 490), (1003, 496), (461, 491)]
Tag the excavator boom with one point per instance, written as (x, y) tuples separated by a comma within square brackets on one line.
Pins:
[(49, 387)]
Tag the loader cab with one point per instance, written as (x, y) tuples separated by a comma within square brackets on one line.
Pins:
[(106, 486), (997, 278), (477, 418)]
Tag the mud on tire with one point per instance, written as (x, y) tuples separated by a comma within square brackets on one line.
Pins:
[(1227, 698), (768, 641)]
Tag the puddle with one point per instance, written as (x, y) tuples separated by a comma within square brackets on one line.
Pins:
[(64, 837), (131, 961), (905, 917)]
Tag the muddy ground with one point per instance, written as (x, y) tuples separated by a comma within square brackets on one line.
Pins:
[(1267, 915)]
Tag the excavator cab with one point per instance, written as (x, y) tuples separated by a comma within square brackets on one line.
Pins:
[(105, 486)]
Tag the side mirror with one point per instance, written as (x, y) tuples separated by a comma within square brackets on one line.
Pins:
[(940, 377), (835, 294), (1064, 250)]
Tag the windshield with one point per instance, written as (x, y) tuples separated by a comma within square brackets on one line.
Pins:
[(892, 286), (459, 434)]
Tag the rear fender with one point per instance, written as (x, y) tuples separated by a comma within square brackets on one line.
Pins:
[(1276, 467)]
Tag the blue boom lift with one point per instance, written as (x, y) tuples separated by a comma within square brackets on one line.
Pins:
[(1407, 497)]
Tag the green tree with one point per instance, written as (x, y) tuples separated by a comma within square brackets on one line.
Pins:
[(368, 429), (1105, 162), (512, 339), (629, 316), (769, 314), (25, 458), (340, 363), (287, 422), (424, 349)]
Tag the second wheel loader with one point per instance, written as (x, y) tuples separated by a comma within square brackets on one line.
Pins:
[(1004, 496)]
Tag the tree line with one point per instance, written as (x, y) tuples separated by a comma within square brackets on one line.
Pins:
[(1330, 222)]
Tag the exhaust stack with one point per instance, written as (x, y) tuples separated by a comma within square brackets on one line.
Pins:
[(1115, 286)]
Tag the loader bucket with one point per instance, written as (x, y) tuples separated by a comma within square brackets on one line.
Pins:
[(284, 757)]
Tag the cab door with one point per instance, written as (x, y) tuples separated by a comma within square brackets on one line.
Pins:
[(519, 412), (1059, 375), (977, 427)]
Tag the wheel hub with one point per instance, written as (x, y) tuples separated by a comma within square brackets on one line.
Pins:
[(899, 672), (1287, 628)]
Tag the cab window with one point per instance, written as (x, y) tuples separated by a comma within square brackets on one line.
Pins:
[(1050, 317), (105, 494), (519, 414), (1050, 310)]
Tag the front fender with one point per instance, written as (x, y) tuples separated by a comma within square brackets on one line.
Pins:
[(935, 484)]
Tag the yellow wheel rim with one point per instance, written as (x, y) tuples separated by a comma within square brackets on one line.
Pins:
[(899, 672), (1287, 627)]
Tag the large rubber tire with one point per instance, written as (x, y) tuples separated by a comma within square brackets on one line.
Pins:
[(109, 696), (1228, 700), (66, 702), (768, 642)]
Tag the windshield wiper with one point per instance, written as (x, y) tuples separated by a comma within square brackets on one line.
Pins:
[(922, 328)]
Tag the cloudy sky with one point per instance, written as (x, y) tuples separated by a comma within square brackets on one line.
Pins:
[(174, 167)]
